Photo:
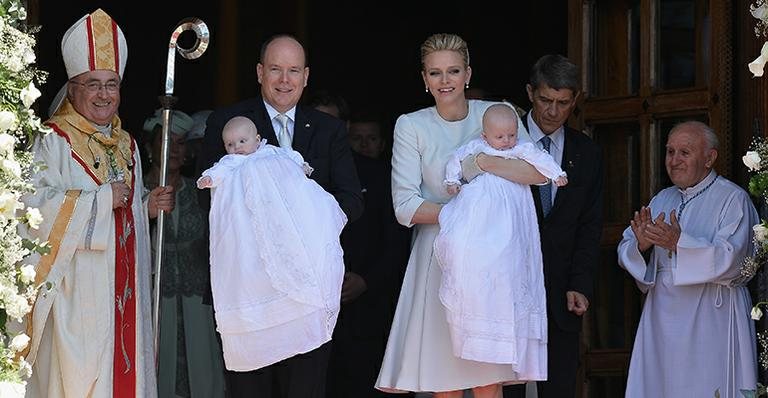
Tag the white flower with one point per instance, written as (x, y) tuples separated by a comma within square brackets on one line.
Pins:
[(34, 217), (29, 94), (752, 160), (756, 66), (759, 12), (17, 306), (6, 291), (27, 273), (25, 369), (756, 313), (22, 13), (29, 56), (8, 205), (8, 121), (19, 342), (11, 166), (7, 141), (761, 232), (14, 63)]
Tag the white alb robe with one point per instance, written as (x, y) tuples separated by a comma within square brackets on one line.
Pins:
[(695, 334)]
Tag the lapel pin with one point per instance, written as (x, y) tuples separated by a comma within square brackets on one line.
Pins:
[(306, 125)]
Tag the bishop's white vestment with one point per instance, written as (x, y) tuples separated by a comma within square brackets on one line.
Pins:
[(91, 324)]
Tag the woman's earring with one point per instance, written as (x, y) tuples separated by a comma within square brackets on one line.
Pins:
[(466, 85), (426, 89)]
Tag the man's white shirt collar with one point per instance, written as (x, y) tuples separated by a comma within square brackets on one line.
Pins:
[(272, 112), (557, 137)]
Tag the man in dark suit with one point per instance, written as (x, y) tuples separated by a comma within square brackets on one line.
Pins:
[(570, 217), (376, 249), (321, 140), (571, 223)]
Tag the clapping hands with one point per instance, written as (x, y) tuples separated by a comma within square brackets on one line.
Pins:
[(650, 232)]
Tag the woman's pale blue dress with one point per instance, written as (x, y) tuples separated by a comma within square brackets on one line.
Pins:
[(419, 355)]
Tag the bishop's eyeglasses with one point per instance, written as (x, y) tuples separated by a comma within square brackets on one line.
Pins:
[(94, 86)]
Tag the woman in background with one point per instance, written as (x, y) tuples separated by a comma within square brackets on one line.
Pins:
[(190, 358)]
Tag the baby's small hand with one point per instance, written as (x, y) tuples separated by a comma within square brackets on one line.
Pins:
[(204, 182), (453, 189), (307, 169), (560, 181)]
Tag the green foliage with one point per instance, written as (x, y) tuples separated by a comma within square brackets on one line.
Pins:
[(758, 185)]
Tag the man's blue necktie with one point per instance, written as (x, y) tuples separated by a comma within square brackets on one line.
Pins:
[(545, 191)]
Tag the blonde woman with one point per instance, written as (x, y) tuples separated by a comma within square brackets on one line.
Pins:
[(419, 356)]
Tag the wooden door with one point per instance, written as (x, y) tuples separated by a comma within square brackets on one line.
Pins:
[(646, 64)]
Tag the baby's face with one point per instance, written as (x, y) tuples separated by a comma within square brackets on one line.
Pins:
[(240, 141), (500, 136)]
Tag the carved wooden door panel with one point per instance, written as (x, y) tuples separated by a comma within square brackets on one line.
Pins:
[(646, 64)]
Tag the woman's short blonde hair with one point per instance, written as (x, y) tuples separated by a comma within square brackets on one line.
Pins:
[(442, 42)]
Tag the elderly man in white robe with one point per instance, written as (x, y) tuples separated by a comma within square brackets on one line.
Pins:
[(90, 329), (685, 252)]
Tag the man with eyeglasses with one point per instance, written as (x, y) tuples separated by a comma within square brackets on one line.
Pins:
[(91, 333), (93, 86)]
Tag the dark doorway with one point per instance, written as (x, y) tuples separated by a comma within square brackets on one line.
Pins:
[(367, 52)]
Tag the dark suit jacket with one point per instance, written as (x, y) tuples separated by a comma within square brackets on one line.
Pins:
[(570, 234), (320, 138), (376, 247)]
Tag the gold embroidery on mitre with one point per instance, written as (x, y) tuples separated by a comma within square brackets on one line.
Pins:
[(112, 154), (105, 49)]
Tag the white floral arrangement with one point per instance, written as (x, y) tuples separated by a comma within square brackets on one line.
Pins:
[(18, 126), (756, 160), (759, 10)]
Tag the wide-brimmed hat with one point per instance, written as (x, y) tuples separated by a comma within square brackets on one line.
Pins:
[(181, 123), (199, 119)]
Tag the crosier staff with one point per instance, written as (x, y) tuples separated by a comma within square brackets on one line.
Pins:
[(201, 44)]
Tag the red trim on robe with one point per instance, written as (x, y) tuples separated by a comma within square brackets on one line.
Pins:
[(124, 370), (116, 47), (91, 46), (75, 156)]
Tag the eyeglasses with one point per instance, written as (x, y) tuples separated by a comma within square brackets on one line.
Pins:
[(95, 86)]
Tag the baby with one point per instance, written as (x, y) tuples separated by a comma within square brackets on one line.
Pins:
[(276, 260), (500, 133), (241, 137), (488, 249)]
